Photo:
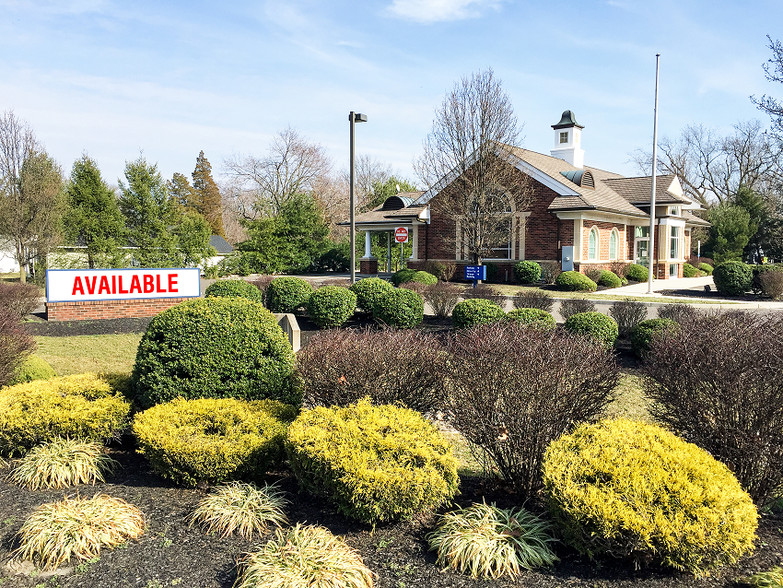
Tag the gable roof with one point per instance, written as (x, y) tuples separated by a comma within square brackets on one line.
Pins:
[(637, 190), (220, 244)]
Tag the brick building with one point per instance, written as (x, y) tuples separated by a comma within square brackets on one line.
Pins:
[(579, 216)]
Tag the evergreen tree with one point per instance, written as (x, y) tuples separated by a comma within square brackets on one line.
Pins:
[(730, 232), (192, 232), (183, 193), (383, 190), (93, 217), (210, 203)]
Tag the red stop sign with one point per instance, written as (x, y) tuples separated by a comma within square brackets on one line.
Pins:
[(401, 235)]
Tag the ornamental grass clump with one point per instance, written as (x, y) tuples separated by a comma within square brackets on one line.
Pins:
[(486, 541), (82, 406), (476, 311), (390, 366), (331, 306), (242, 509), (530, 387), (77, 528), (375, 463), (635, 491), (234, 288), (62, 463), (304, 557), (212, 440)]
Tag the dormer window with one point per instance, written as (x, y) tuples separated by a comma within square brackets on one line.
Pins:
[(674, 210), (563, 138)]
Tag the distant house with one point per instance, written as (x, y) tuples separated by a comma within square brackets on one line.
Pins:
[(581, 216), (8, 263), (222, 247)]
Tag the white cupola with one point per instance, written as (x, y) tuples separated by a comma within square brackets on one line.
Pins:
[(568, 140)]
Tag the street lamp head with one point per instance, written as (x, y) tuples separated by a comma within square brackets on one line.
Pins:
[(357, 117)]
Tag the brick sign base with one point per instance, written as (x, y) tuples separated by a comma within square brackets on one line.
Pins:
[(108, 309)]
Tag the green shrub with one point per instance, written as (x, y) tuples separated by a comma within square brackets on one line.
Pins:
[(609, 279), (211, 440), (287, 294), (399, 307), (487, 541), (423, 277), (402, 276), (234, 288), (689, 271), (375, 463), (368, 291), (331, 306), (214, 348), (81, 407), (575, 282), (706, 268), (603, 329), (632, 490), (34, 367), (527, 272), (637, 273), (476, 311), (733, 278), (533, 317), (643, 333)]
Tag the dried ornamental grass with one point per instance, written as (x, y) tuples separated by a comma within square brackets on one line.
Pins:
[(241, 508), (770, 579), (304, 557), (62, 463), (487, 541), (77, 528)]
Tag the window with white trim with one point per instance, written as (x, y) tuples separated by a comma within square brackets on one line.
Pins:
[(614, 241), (592, 244)]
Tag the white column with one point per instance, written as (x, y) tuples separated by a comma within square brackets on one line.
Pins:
[(367, 245)]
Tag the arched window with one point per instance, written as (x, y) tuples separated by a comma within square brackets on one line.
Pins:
[(592, 244), (614, 240)]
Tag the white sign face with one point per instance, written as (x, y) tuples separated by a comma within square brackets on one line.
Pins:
[(122, 284), (401, 234)]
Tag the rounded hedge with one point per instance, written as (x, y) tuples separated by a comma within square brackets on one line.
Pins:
[(733, 277), (637, 273), (34, 367), (399, 307), (331, 306), (287, 294), (234, 288), (644, 332), (533, 317), (706, 268), (609, 279), (214, 348), (600, 327), (81, 406), (527, 272), (689, 271), (368, 291), (212, 440), (627, 489), (575, 282), (402, 276), (423, 277), (476, 311), (375, 463)]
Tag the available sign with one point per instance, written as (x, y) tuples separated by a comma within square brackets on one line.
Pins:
[(122, 284), (401, 234)]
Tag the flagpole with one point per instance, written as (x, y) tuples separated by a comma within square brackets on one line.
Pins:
[(651, 252)]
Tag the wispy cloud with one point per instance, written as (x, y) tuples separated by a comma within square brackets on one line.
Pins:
[(430, 11)]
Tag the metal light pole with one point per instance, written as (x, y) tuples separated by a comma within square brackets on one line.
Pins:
[(353, 118), (652, 191)]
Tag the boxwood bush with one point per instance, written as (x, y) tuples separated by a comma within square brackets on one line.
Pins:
[(689, 271), (34, 367), (287, 294), (532, 317), (402, 276), (368, 291), (706, 268), (609, 279), (601, 328), (375, 463), (331, 306), (212, 440), (476, 311), (527, 272), (399, 307), (235, 288), (575, 282), (81, 406), (637, 273), (423, 277), (643, 333), (631, 490), (733, 278), (214, 348)]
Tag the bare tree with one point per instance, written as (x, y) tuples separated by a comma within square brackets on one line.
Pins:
[(774, 72), (292, 166), (31, 196), (466, 160)]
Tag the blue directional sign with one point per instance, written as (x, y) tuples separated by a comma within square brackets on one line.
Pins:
[(475, 272)]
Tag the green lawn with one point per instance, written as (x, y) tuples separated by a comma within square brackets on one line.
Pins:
[(90, 353)]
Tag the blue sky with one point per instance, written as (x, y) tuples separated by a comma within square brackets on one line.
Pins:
[(172, 78)]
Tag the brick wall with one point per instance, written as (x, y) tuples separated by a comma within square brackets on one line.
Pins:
[(108, 309), (604, 234)]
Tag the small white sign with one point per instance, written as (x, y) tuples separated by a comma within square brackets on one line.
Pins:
[(401, 234), (122, 284)]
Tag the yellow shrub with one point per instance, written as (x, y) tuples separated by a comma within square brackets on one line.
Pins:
[(627, 489), (82, 406), (377, 463), (213, 439)]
